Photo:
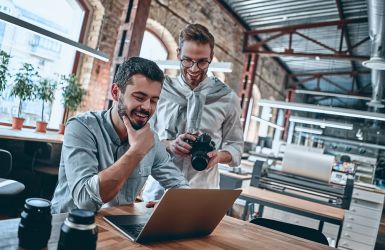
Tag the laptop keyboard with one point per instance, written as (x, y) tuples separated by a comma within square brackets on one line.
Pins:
[(133, 230)]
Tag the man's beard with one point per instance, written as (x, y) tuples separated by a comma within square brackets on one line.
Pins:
[(192, 83), (122, 111)]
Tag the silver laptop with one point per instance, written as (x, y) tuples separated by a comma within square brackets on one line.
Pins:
[(181, 213)]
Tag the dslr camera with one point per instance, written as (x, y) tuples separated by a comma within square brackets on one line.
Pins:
[(200, 147)]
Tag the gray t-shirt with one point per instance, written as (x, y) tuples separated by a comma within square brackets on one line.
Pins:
[(91, 145)]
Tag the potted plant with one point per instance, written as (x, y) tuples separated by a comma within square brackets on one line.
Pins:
[(4, 61), (44, 91), (23, 88), (73, 94)]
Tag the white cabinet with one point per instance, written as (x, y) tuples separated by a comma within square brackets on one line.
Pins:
[(362, 220)]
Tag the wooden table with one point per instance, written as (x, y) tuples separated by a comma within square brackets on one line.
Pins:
[(27, 134), (231, 233), (321, 212)]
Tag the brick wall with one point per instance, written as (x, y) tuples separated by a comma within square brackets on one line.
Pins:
[(172, 16), (270, 79), (102, 34)]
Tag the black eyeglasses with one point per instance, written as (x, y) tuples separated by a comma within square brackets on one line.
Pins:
[(188, 63)]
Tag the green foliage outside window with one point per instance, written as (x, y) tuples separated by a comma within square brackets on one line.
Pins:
[(4, 61)]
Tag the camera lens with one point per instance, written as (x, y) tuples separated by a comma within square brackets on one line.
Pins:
[(78, 231), (35, 224), (199, 149), (199, 161)]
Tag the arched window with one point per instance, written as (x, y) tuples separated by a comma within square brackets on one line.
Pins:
[(49, 57), (153, 48)]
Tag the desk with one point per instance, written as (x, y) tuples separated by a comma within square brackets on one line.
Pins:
[(231, 233), (27, 134), (321, 212)]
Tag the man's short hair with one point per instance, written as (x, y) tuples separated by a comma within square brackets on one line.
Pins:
[(197, 33), (137, 65)]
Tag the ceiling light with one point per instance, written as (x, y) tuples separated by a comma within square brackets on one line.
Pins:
[(35, 29), (311, 92), (322, 109), (256, 118), (214, 66), (375, 63), (321, 123), (308, 130)]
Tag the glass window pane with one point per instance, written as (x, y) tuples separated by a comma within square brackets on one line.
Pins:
[(50, 57), (152, 48)]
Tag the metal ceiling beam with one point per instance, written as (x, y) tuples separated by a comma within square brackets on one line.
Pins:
[(336, 73), (332, 94), (286, 6), (292, 15), (335, 84), (318, 78), (308, 55), (223, 4), (322, 109), (291, 28), (254, 6), (336, 54)]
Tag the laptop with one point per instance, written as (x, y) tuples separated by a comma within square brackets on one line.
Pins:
[(181, 213)]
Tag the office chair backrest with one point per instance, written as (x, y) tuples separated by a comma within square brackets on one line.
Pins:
[(5, 163), (299, 231), (38, 151)]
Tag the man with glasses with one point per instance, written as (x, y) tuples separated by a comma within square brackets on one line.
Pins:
[(194, 103)]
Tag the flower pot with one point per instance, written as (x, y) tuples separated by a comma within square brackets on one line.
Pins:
[(41, 127), (61, 128), (17, 123)]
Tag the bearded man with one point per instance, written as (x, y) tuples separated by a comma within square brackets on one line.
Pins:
[(195, 103), (107, 156)]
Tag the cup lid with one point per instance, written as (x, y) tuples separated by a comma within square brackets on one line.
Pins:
[(81, 216), (37, 204)]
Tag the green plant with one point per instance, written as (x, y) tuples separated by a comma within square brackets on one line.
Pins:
[(45, 91), (24, 84), (73, 92), (4, 61)]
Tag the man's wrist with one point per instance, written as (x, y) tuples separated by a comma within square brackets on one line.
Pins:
[(225, 157), (167, 144), (134, 153)]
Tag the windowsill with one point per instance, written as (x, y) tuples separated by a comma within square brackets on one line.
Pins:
[(29, 134), (5, 124)]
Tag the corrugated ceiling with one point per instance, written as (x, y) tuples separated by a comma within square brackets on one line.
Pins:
[(263, 14)]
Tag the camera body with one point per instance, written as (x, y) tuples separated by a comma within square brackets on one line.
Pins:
[(200, 147)]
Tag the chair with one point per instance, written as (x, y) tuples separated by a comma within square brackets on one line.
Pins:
[(41, 165), (299, 231), (9, 189)]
